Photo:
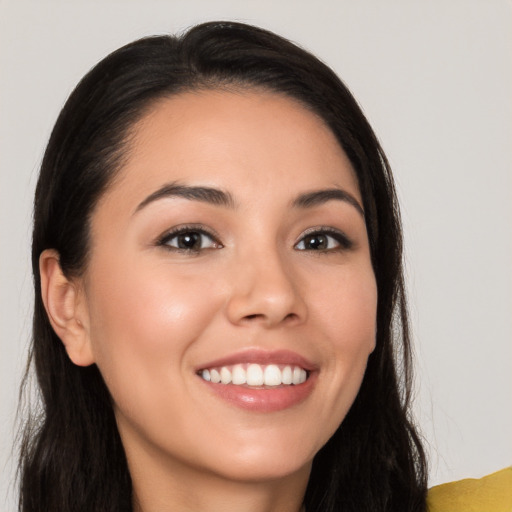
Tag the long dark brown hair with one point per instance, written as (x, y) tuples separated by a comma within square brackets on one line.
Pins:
[(72, 458)]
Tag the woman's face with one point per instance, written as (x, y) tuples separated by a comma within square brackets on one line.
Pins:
[(231, 246)]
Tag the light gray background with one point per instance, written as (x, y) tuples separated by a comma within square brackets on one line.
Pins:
[(435, 80)]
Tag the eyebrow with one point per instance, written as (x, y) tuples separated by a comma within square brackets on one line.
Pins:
[(318, 197), (220, 197), (209, 195)]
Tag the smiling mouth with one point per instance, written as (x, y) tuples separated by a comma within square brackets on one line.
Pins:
[(256, 375)]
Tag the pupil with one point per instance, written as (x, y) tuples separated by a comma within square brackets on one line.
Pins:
[(317, 241), (188, 240)]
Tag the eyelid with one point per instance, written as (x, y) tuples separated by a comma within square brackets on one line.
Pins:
[(342, 238), (186, 228)]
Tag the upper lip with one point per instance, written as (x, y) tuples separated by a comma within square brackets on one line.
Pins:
[(260, 356)]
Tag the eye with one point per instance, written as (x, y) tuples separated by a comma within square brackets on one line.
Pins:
[(323, 240), (189, 239)]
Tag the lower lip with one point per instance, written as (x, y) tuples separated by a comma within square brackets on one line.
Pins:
[(264, 399)]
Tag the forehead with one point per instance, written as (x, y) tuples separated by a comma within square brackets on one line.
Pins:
[(239, 140)]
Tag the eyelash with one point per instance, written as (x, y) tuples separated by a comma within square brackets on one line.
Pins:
[(342, 241), (164, 240)]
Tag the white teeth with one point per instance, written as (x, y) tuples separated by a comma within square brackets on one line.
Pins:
[(287, 375), (225, 375), (256, 375), (215, 376), (238, 375), (272, 375)]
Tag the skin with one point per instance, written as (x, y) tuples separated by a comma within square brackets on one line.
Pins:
[(149, 315)]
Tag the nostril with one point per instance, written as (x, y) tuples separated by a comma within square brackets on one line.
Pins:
[(252, 317), (264, 305), (257, 316)]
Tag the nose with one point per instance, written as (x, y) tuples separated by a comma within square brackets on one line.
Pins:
[(265, 291)]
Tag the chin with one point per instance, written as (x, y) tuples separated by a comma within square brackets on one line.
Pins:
[(276, 459), (265, 469)]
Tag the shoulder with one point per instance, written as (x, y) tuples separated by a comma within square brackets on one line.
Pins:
[(492, 493)]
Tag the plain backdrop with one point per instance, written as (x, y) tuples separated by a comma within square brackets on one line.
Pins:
[(435, 80)]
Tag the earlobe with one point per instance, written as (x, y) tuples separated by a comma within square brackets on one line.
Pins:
[(65, 308)]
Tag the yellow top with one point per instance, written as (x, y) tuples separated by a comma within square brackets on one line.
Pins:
[(492, 493)]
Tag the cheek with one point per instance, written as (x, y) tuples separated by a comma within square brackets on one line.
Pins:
[(357, 310), (347, 310), (346, 317), (141, 319)]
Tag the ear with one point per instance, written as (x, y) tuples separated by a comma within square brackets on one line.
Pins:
[(66, 308)]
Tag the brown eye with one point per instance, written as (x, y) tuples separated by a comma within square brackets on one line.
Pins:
[(189, 241), (316, 242), (323, 240)]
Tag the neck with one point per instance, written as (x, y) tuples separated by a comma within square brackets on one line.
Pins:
[(216, 498), (162, 486)]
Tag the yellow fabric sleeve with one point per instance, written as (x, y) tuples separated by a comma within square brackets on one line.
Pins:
[(492, 493)]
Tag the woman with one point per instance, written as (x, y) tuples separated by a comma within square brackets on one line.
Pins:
[(219, 292)]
